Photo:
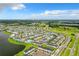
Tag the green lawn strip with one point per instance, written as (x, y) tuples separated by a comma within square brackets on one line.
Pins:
[(48, 47), (71, 43), (76, 50), (16, 42), (5, 32), (21, 53), (62, 52), (67, 52), (78, 47)]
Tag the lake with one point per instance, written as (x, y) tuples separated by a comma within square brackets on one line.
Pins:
[(7, 48)]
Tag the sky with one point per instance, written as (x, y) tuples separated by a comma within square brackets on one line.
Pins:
[(39, 11)]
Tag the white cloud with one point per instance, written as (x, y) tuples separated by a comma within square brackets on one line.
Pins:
[(54, 12), (58, 14), (18, 7), (13, 6)]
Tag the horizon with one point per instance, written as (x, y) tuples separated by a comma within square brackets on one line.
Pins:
[(40, 19)]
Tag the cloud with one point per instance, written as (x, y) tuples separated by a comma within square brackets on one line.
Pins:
[(13, 6), (18, 6), (51, 13), (58, 14)]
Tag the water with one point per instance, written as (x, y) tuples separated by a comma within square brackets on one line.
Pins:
[(7, 48)]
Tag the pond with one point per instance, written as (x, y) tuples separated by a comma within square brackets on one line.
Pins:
[(7, 48)]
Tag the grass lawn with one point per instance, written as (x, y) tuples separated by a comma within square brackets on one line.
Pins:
[(71, 43), (67, 52), (76, 51), (48, 47), (5, 32), (16, 42)]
